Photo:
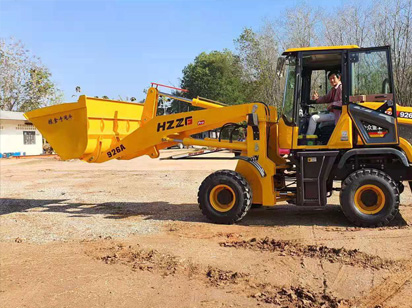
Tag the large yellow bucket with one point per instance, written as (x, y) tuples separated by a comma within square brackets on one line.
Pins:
[(86, 128)]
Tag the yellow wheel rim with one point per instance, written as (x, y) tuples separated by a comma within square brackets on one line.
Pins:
[(222, 198), (370, 199)]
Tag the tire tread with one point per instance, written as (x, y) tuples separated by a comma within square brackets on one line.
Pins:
[(246, 191), (372, 172)]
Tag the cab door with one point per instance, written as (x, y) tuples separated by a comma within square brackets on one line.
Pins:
[(372, 105), (287, 121)]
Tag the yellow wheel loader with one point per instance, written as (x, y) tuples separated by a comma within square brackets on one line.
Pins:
[(365, 154)]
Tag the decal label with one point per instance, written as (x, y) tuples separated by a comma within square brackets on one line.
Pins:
[(162, 126), (116, 151), (62, 118), (374, 131), (404, 115)]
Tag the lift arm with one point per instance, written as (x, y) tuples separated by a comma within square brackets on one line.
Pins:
[(164, 131), (97, 130)]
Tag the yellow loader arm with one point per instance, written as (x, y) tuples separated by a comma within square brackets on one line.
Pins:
[(98, 130)]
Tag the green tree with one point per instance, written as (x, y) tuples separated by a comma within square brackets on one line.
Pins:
[(216, 75), (39, 90), (259, 53), (25, 83)]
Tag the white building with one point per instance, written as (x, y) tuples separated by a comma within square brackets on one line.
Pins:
[(18, 136)]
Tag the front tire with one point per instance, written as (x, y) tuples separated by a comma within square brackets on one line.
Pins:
[(225, 197), (369, 198)]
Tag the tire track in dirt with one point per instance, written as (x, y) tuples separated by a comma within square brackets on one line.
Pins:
[(325, 281), (139, 259), (390, 287), (344, 256)]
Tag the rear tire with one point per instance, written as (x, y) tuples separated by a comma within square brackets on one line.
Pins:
[(369, 198), (225, 197)]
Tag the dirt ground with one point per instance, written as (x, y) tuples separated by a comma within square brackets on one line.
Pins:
[(130, 234)]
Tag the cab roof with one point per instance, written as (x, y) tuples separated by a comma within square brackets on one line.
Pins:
[(320, 48)]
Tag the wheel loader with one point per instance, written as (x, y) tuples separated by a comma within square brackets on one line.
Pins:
[(365, 154)]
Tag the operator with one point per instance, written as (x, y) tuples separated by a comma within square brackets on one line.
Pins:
[(333, 98)]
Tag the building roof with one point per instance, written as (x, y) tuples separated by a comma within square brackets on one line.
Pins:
[(12, 115), (321, 48)]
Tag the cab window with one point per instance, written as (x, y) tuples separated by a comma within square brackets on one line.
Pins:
[(319, 83), (370, 73), (289, 93)]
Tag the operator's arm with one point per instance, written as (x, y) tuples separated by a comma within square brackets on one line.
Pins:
[(325, 99)]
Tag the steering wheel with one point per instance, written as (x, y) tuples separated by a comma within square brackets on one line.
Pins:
[(305, 108), (307, 105)]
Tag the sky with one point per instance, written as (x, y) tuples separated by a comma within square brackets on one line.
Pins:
[(117, 48)]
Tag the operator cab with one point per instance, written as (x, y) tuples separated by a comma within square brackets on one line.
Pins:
[(366, 76), (313, 78)]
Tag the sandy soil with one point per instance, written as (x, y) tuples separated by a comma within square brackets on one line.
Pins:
[(130, 234)]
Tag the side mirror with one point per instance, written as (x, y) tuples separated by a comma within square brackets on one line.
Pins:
[(280, 66)]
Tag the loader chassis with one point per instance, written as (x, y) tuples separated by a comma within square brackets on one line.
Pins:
[(277, 162)]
